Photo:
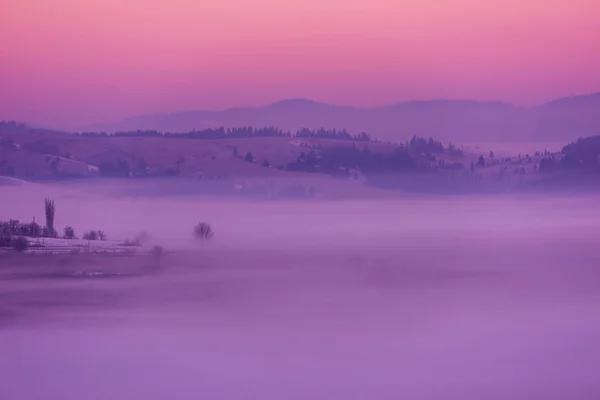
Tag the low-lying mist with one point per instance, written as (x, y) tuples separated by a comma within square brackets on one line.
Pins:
[(421, 297), (239, 222)]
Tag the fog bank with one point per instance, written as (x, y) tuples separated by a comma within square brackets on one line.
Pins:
[(459, 297)]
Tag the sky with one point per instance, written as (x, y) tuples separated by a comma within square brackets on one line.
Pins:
[(74, 62)]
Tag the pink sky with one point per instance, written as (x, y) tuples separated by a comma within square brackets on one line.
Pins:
[(73, 62)]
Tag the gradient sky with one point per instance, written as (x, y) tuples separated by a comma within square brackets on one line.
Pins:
[(71, 62)]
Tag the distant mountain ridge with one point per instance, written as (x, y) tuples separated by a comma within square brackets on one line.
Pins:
[(562, 119)]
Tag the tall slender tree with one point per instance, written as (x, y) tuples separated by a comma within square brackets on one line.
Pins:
[(50, 211)]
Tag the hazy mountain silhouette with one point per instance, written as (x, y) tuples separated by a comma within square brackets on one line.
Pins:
[(459, 120)]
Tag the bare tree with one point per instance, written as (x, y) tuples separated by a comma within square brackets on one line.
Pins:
[(203, 231)]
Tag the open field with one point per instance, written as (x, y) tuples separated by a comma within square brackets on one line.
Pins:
[(74, 246)]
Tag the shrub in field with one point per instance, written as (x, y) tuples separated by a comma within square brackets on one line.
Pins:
[(91, 235), (157, 252), (5, 241), (69, 232), (138, 240), (20, 244), (94, 235)]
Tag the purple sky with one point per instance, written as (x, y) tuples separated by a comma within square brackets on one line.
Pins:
[(71, 62)]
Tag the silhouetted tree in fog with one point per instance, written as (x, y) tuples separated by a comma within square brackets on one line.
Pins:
[(203, 231), (481, 161), (50, 210)]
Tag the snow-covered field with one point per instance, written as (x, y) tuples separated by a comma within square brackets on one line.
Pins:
[(66, 246)]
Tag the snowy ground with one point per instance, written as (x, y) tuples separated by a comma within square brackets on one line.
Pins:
[(69, 246)]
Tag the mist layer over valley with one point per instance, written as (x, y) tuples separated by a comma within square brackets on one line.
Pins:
[(408, 296)]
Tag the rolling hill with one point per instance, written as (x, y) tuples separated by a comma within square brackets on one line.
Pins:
[(562, 120), (286, 165)]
